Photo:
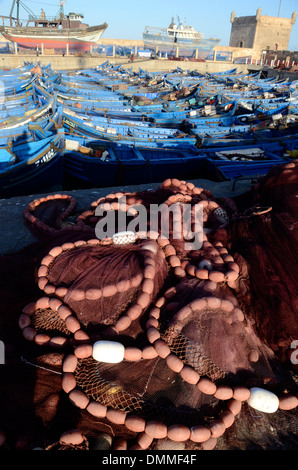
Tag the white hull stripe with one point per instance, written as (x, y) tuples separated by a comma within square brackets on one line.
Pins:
[(92, 37)]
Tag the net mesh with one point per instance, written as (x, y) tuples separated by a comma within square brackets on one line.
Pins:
[(240, 357), (191, 355), (96, 269), (249, 349), (139, 392), (268, 244), (47, 320)]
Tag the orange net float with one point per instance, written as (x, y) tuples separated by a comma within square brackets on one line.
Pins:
[(212, 262), (107, 399), (145, 258), (40, 215), (148, 350), (171, 330)]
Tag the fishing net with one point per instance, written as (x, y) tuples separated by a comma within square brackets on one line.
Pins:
[(266, 236), (147, 338)]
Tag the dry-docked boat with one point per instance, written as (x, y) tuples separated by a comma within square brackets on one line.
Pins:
[(181, 35), (51, 32)]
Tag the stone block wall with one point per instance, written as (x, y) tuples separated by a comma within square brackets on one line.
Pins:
[(261, 32), (243, 32), (273, 33)]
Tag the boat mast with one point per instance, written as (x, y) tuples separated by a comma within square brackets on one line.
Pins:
[(18, 2), (18, 10), (12, 7), (61, 10)]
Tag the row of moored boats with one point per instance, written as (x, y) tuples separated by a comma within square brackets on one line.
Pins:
[(112, 126)]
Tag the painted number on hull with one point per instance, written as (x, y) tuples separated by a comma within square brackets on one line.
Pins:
[(47, 157)]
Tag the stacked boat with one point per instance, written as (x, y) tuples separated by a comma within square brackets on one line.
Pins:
[(111, 126), (31, 136)]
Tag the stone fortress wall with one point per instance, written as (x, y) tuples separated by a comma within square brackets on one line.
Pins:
[(261, 32)]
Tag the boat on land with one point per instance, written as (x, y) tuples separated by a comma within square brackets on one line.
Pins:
[(178, 35), (57, 32)]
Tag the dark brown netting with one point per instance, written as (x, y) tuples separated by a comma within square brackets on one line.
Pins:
[(101, 282), (61, 446), (199, 327), (154, 393), (192, 328), (279, 190), (190, 353), (268, 243), (216, 211), (47, 320), (49, 214)]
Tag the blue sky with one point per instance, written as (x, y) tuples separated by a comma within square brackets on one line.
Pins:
[(127, 18)]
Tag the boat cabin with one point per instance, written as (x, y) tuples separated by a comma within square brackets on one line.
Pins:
[(73, 20), (70, 21), (184, 31), (175, 32)]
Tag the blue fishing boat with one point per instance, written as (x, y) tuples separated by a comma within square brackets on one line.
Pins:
[(98, 164), (127, 127), (89, 128), (253, 137), (80, 93), (252, 171), (13, 87), (211, 109), (32, 167), (230, 163)]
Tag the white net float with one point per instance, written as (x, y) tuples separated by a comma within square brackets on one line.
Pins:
[(123, 238), (263, 400), (110, 352)]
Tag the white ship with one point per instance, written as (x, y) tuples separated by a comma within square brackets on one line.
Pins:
[(178, 35)]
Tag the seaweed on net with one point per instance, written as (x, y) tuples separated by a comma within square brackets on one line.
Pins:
[(196, 336)]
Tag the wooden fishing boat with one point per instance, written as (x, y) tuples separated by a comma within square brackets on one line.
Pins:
[(115, 138), (253, 137), (230, 163), (32, 167), (252, 171), (14, 87), (75, 124), (44, 127), (39, 123), (52, 32), (98, 164)]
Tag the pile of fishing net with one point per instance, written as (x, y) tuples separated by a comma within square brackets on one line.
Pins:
[(137, 340)]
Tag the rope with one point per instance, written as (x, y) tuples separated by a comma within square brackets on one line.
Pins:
[(39, 367)]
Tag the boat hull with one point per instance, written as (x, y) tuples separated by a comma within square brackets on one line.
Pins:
[(163, 43), (130, 165), (40, 173), (79, 39)]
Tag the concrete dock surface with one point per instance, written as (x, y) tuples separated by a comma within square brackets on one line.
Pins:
[(15, 235)]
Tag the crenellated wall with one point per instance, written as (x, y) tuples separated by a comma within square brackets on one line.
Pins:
[(261, 32)]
